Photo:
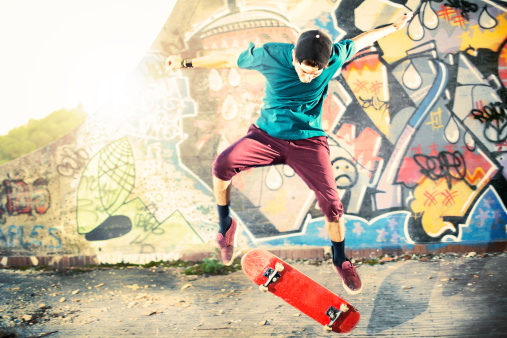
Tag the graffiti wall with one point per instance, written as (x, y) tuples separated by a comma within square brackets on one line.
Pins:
[(416, 125)]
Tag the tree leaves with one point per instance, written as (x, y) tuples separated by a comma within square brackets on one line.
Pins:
[(38, 133)]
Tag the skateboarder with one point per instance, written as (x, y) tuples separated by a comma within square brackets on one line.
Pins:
[(289, 129)]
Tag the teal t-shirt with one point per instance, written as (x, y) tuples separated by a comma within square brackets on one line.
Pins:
[(292, 109)]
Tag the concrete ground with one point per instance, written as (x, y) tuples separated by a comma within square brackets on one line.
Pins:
[(444, 296)]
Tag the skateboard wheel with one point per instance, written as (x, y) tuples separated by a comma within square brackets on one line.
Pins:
[(327, 328), (263, 288), (344, 308), (279, 266)]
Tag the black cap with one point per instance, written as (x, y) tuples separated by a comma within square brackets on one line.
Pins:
[(314, 46)]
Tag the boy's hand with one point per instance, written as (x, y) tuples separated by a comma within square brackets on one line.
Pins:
[(173, 62), (402, 21)]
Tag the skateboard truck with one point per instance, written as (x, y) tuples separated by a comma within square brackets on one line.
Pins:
[(272, 276), (333, 313)]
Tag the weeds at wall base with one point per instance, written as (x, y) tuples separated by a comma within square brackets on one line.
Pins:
[(208, 266), (212, 267)]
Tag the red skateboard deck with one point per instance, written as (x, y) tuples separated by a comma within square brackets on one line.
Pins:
[(300, 291)]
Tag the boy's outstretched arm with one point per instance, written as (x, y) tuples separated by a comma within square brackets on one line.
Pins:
[(368, 38), (218, 60)]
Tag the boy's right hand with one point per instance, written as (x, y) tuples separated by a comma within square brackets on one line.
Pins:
[(402, 20), (173, 62)]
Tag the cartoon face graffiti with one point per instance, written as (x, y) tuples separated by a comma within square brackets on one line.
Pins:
[(346, 174)]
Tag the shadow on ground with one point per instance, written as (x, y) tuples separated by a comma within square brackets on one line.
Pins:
[(402, 297)]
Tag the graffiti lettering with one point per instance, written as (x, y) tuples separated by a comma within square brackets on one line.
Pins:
[(72, 161), (34, 233), (494, 118), (90, 183), (87, 206), (40, 197), (375, 103), (464, 6), (18, 197), (446, 165), (16, 237), (20, 200), (490, 113), (150, 226)]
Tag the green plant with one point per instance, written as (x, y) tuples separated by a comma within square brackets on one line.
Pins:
[(211, 265), (38, 133), (371, 261)]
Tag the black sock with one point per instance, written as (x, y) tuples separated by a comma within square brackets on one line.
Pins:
[(224, 220), (339, 253)]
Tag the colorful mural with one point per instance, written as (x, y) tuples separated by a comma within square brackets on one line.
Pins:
[(416, 125)]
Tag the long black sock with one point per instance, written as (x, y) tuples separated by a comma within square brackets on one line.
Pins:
[(339, 253), (224, 219)]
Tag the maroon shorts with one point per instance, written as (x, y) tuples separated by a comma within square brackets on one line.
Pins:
[(309, 158)]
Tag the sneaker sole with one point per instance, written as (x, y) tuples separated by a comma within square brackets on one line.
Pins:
[(229, 263), (350, 291)]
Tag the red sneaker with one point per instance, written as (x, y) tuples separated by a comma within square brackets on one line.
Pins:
[(351, 280), (226, 244)]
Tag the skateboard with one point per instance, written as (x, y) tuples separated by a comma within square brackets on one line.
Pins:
[(281, 279)]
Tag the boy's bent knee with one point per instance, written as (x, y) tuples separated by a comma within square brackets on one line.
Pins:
[(222, 168), (333, 211)]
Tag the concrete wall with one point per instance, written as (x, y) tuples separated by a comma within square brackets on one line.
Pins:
[(416, 129)]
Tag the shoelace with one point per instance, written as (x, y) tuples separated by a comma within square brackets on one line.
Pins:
[(353, 270)]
